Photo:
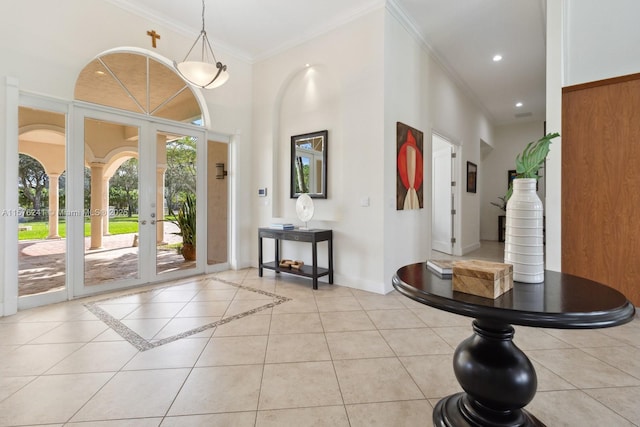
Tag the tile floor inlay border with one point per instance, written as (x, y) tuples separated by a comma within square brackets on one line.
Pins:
[(143, 344)]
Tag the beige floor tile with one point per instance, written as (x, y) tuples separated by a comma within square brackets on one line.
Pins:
[(235, 419), (256, 324), (628, 333), (357, 345), (433, 374), (170, 295), (96, 357), (437, 318), (22, 333), (581, 369), (146, 328), (69, 332), (119, 311), (204, 309), (219, 389), (584, 338), (296, 385), (222, 351), (342, 303), (410, 413), (625, 358), (137, 422), (380, 302), (108, 335), (219, 286), (300, 305), (415, 342), (623, 400), (375, 380), (343, 321), (180, 325), (294, 290), (215, 295), (325, 416), (573, 408), (296, 323), (35, 359), (55, 313), (527, 338), (395, 319), (58, 397), (548, 381), (242, 306), (326, 290), (9, 385), (453, 335), (178, 354), (134, 394), (297, 348)]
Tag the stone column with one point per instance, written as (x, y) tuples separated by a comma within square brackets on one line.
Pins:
[(54, 205), (97, 207), (105, 203)]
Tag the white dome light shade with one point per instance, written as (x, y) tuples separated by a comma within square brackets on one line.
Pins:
[(203, 74)]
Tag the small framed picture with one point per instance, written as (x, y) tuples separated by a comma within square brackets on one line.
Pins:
[(472, 177)]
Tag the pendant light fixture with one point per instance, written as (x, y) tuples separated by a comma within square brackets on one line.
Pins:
[(206, 72)]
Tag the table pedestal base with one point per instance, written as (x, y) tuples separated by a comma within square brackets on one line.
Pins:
[(452, 411), (498, 380)]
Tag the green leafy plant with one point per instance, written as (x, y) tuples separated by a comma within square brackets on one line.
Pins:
[(186, 220), (503, 203), (529, 162)]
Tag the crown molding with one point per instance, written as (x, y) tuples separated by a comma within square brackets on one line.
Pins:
[(411, 27)]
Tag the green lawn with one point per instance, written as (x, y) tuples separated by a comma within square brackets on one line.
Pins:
[(40, 230)]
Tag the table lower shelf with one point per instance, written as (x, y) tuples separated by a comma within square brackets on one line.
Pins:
[(305, 270)]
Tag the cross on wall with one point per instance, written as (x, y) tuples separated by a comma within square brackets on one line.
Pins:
[(154, 36)]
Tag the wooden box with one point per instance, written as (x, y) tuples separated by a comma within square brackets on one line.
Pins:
[(483, 278)]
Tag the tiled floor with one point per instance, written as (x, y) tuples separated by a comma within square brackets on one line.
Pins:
[(331, 357)]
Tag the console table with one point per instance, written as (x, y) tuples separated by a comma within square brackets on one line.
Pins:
[(311, 236), (497, 377)]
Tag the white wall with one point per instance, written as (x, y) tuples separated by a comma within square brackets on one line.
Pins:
[(341, 91), (602, 39), (419, 92), (45, 52), (510, 140)]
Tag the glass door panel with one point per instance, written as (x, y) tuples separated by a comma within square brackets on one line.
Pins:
[(111, 201), (41, 198), (175, 201)]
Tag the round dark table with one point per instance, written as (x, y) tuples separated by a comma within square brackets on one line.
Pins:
[(497, 377)]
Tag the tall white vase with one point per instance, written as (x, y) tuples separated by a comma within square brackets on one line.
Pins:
[(524, 246)]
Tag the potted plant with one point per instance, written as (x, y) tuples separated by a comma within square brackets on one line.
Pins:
[(524, 242), (529, 162), (186, 222)]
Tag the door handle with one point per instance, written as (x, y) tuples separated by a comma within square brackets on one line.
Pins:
[(153, 221), (143, 222)]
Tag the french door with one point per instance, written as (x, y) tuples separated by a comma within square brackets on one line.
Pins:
[(132, 177)]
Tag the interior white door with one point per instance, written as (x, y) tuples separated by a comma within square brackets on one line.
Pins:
[(442, 194)]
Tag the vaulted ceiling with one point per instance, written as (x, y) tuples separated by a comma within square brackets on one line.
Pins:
[(463, 35)]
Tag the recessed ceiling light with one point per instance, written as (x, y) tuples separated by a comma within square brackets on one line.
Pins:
[(518, 104), (497, 58), (307, 65)]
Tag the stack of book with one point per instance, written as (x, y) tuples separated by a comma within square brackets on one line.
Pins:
[(281, 226), (442, 267)]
